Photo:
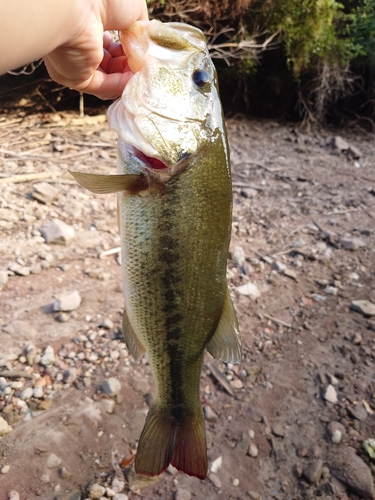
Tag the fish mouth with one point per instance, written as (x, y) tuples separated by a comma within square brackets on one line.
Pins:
[(149, 161)]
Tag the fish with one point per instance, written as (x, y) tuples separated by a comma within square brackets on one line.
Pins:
[(175, 208)]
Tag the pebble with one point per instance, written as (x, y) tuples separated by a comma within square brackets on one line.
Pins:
[(330, 394), (236, 383), (96, 491), (56, 231), (70, 375), (250, 290), (5, 469), (48, 357), (182, 494), (26, 393), (111, 386), (209, 414), (238, 255), (351, 470), (3, 278), (313, 471), (13, 495), (53, 461), (121, 496), (336, 436), (364, 307), (5, 428), (117, 485), (214, 480), (44, 192), (68, 302), (216, 465), (280, 267), (18, 269), (108, 405), (242, 446), (358, 412), (351, 243), (235, 482), (141, 385), (277, 430), (253, 450), (64, 473)]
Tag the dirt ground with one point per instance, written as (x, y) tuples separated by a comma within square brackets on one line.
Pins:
[(303, 238)]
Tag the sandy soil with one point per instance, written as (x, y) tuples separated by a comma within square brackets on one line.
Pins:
[(303, 234)]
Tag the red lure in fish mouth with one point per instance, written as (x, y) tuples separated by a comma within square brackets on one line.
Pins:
[(151, 162)]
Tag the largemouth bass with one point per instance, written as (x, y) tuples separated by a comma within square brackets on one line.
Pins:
[(175, 201)]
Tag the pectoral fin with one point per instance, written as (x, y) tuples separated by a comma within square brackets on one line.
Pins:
[(103, 184), (132, 342), (225, 344)]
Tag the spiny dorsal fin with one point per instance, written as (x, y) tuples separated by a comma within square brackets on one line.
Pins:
[(103, 184), (225, 344)]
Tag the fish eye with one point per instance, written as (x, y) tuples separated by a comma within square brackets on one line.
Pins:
[(200, 78)]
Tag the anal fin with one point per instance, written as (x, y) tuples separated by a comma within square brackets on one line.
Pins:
[(225, 344), (132, 342)]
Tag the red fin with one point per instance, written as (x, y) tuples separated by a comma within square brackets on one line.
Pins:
[(190, 449), (163, 442)]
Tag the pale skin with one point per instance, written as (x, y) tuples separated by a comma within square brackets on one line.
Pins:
[(71, 36)]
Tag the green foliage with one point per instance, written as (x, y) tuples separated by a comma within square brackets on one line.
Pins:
[(362, 30)]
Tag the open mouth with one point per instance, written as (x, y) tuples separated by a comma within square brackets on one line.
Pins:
[(151, 162)]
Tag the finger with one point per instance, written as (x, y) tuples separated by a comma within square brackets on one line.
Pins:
[(107, 86)]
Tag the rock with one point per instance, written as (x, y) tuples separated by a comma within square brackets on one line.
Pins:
[(250, 290), (235, 482), (68, 302), (236, 383), (3, 279), (48, 357), (214, 480), (242, 446), (140, 385), (313, 471), (182, 494), (121, 496), (13, 495), (5, 428), (44, 192), (96, 491), (351, 243), (20, 329), (238, 255), (70, 375), (280, 267), (365, 307), (5, 469), (53, 461), (111, 386), (107, 324), (358, 412), (209, 414), (56, 231), (18, 269), (253, 450), (117, 485), (216, 464), (64, 473), (290, 274), (277, 430), (336, 436), (26, 393), (349, 468), (339, 143), (330, 394), (249, 192), (108, 405)]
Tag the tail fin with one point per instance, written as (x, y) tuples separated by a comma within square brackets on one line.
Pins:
[(164, 441)]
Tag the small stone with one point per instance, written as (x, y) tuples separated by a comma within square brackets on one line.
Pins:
[(339, 143), (290, 274), (53, 461), (26, 393), (5, 469), (44, 192), (214, 480), (121, 496), (107, 324), (109, 492), (242, 446), (253, 450), (45, 404), (68, 302), (111, 386), (96, 491), (70, 375), (351, 243), (331, 290), (3, 279), (238, 255), (336, 436), (235, 482), (209, 414), (48, 357), (313, 471), (38, 392), (365, 307), (357, 338), (18, 269), (13, 495), (117, 485), (236, 383), (56, 231), (182, 494), (250, 290), (249, 192), (64, 473), (45, 478), (330, 394), (350, 469), (140, 385), (63, 317), (280, 267), (277, 430), (358, 412), (5, 428), (108, 405)]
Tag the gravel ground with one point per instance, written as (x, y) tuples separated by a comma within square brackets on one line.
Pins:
[(292, 421)]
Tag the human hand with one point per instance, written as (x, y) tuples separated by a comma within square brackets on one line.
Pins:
[(91, 61)]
